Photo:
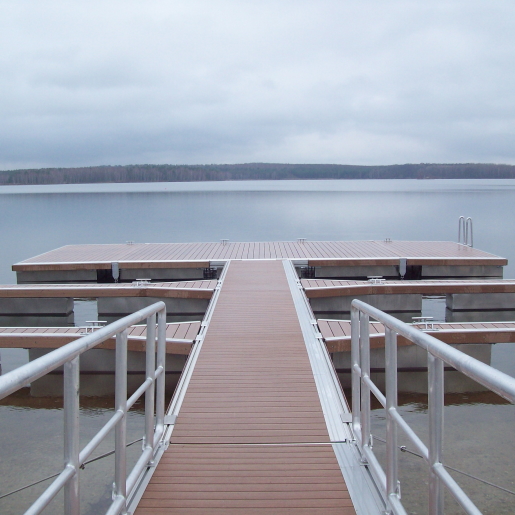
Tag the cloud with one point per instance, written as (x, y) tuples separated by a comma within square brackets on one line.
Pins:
[(225, 81)]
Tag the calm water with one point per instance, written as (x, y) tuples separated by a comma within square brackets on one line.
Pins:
[(38, 219)]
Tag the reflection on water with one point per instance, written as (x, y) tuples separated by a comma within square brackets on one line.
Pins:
[(478, 441), (32, 449)]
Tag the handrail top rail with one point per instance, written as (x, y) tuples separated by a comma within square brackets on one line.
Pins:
[(29, 372), (497, 381)]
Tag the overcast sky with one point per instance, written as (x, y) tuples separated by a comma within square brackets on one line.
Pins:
[(302, 81)]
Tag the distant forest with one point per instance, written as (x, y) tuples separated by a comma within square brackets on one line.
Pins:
[(252, 171)]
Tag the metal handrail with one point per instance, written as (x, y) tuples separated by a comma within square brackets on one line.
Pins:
[(362, 386), (465, 231), (153, 387)]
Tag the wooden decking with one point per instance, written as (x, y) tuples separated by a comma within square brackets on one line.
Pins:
[(252, 386), (180, 289), (179, 337), (184, 255), (337, 333), (317, 288)]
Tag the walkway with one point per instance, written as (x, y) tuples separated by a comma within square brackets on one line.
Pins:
[(241, 442)]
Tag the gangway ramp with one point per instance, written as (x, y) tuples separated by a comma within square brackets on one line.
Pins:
[(250, 436)]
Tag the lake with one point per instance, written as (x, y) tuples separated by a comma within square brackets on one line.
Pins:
[(36, 219)]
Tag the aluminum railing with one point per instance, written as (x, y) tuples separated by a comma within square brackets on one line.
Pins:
[(465, 231), (438, 353), (153, 387)]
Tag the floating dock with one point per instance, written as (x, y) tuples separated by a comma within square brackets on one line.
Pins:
[(187, 261), (259, 423)]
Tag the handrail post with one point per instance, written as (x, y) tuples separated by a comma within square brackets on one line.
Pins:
[(150, 373), (161, 364), (71, 435), (356, 380), (120, 474), (392, 466), (364, 352), (436, 409), (68, 357)]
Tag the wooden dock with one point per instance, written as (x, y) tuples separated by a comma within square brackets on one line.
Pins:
[(162, 290), (179, 337), (328, 253), (319, 288), (337, 333), (250, 436), (259, 423)]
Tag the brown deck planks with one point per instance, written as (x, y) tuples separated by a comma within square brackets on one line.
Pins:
[(60, 336), (317, 288), (141, 255), (337, 333), (252, 384), (183, 289)]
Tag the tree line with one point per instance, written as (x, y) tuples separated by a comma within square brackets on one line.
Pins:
[(251, 171)]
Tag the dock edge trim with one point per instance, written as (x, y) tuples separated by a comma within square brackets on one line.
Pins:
[(363, 492)]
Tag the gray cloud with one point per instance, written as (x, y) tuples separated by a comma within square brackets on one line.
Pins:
[(225, 81)]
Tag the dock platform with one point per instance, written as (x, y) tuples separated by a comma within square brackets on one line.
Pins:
[(134, 255), (179, 337), (337, 333), (190, 261)]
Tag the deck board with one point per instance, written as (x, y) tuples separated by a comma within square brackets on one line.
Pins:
[(55, 337), (252, 385), (136, 255), (317, 288), (337, 333), (183, 289)]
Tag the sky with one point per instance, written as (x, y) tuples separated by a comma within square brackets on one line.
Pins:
[(371, 82)]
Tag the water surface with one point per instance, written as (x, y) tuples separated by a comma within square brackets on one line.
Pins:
[(36, 219)]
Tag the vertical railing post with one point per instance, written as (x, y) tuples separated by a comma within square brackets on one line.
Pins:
[(364, 353), (71, 435), (161, 364), (355, 376), (150, 373), (436, 409), (120, 471), (392, 465)]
